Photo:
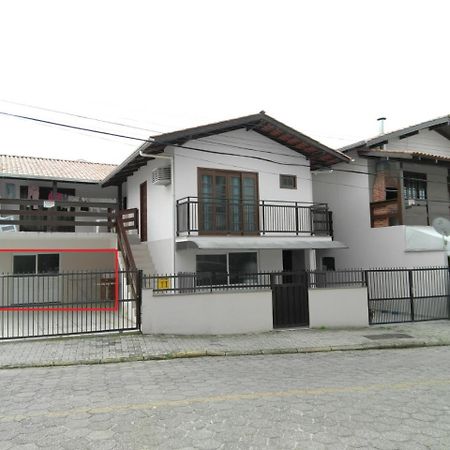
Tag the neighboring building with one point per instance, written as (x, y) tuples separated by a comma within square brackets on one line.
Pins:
[(234, 196), (48, 204), (385, 202)]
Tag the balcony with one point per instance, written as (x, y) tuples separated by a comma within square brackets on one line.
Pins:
[(59, 216), (213, 216)]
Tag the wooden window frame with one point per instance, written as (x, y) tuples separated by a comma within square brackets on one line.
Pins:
[(228, 174)]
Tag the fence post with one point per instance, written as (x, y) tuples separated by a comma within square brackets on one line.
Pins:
[(366, 282), (139, 275), (411, 293), (263, 216), (296, 218), (448, 295)]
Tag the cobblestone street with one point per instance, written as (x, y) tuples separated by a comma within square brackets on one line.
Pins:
[(387, 399)]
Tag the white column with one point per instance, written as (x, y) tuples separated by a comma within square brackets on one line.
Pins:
[(311, 262)]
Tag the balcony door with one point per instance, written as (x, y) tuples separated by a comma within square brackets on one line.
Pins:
[(228, 202)]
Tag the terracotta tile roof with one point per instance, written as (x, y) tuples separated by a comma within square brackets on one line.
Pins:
[(55, 169)]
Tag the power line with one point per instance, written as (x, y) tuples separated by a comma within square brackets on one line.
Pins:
[(80, 116), (155, 140), (431, 146)]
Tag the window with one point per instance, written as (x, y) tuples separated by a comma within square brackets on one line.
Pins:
[(48, 263), (241, 265), (288, 182), (415, 185), (42, 263), (214, 269), (228, 202), (211, 269), (328, 263), (24, 264)]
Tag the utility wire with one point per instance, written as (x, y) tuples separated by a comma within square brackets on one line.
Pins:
[(155, 140), (432, 146)]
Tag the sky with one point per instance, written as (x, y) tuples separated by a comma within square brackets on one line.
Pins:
[(326, 68)]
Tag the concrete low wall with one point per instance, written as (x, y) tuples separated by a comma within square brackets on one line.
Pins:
[(209, 313), (338, 307)]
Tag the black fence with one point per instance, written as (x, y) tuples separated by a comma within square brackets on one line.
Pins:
[(51, 304), (408, 295), (394, 295), (232, 216), (193, 282)]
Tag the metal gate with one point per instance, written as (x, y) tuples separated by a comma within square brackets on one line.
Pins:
[(290, 299), (58, 304), (408, 295)]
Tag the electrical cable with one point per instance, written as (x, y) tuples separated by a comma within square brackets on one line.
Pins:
[(155, 140)]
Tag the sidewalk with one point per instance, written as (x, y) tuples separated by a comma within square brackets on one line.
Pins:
[(106, 348)]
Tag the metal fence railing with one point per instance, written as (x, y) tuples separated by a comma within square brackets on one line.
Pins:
[(49, 304), (394, 294), (197, 282)]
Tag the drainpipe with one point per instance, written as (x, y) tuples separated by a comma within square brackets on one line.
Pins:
[(171, 158)]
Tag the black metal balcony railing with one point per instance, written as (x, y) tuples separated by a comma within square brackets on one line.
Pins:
[(247, 217)]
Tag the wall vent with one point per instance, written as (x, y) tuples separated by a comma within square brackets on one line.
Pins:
[(161, 176)]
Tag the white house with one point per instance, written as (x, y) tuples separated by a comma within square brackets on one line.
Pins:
[(385, 201), (234, 196)]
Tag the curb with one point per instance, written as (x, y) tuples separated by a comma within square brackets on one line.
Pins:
[(225, 353)]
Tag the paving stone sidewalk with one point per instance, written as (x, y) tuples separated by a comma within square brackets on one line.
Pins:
[(104, 348)]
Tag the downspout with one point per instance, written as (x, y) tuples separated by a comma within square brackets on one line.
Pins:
[(171, 158)]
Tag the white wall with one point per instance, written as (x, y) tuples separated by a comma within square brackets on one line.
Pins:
[(348, 197), (212, 313), (69, 261), (187, 161), (336, 308), (160, 214)]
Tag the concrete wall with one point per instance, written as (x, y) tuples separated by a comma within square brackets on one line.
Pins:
[(335, 308), (68, 261), (348, 196), (212, 313)]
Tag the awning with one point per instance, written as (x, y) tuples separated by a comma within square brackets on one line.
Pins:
[(255, 243)]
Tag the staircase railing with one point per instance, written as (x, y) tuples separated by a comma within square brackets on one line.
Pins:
[(127, 219)]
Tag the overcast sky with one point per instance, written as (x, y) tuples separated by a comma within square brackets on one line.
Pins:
[(326, 68)]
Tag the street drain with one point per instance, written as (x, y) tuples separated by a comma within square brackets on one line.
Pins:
[(389, 336)]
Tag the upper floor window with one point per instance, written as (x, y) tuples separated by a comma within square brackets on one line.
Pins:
[(415, 185), (288, 182), (228, 201)]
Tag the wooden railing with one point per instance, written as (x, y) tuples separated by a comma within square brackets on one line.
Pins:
[(126, 220), (46, 215)]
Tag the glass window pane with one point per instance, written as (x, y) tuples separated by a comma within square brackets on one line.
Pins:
[(243, 267), (211, 269), (24, 264), (48, 263), (288, 182)]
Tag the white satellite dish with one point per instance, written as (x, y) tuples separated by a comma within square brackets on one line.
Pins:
[(442, 226)]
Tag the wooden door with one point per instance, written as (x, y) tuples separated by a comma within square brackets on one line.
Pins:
[(143, 211)]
